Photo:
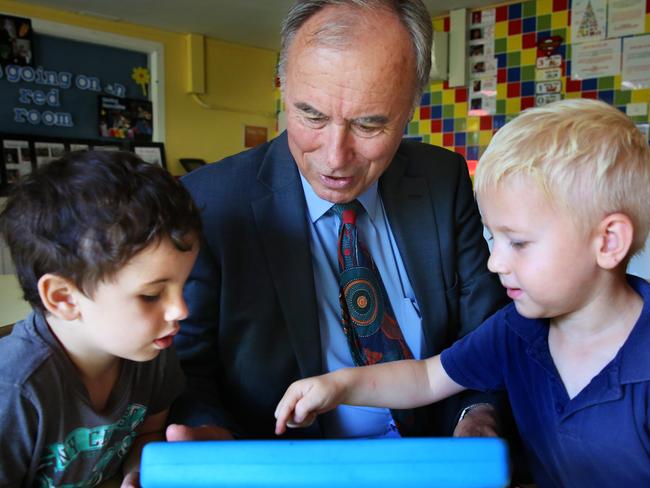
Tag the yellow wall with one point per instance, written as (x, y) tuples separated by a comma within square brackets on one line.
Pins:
[(237, 77)]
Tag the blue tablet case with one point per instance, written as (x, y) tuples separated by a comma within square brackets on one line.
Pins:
[(377, 463)]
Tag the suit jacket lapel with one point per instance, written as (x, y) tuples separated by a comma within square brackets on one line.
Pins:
[(282, 223), (407, 201)]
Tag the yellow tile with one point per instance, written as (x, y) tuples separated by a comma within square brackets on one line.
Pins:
[(436, 139), (513, 105), (436, 86), (424, 127), (647, 22), (501, 29), (560, 20), (514, 43), (448, 97), (460, 110), (502, 91), (473, 124), (529, 56), (439, 24), (416, 115), (544, 7), (640, 96), (485, 137), (617, 82), (572, 95)]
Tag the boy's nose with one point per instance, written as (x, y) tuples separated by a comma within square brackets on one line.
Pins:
[(495, 263), (177, 310)]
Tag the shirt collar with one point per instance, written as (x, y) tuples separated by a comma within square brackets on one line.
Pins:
[(317, 207)]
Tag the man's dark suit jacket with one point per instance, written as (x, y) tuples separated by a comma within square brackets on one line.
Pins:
[(253, 322)]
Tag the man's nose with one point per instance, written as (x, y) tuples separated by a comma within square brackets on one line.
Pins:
[(340, 146)]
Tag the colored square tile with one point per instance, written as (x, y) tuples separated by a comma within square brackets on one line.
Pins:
[(514, 74), (423, 127), (473, 138), (436, 98), (543, 22), (426, 138), (448, 96), (459, 139), (528, 89), (425, 113), (502, 91), (460, 123), (472, 152), (413, 128), (529, 25), (572, 95), (501, 13), (514, 11), (514, 42), (528, 72), (529, 9), (502, 60), (500, 30), (640, 96), (436, 111), (527, 102), (446, 23), (436, 139), (529, 57), (460, 150), (559, 5), (500, 45), (560, 20), (514, 60), (590, 94), (486, 122), (484, 138), (529, 40), (514, 90), (606, 96), (622, 97), (544, 7), (513, 105), (448, 111), (589, 84), (448, 125), (573, 85), (514, 27), (448, 140), (501, 108), (439, 24), (473, 124), (606, 83), (436, 126), (460, 110), (461, 95), (426, 99)]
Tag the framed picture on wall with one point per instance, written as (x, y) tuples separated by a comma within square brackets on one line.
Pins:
[(151, 152), (16, 45), (125, 118), (46, 150), (17, 158)]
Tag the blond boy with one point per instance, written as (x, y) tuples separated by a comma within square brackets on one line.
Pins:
[(563, 190)]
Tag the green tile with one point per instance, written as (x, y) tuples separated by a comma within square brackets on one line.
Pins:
[(560, 32), (528, 73), (501, 106), (514, 59), (510, 117), (639, 119), (544, 23), (436, 98), (622, 97), (426, 138), (529, 9), (606, 83), (500, 45), (413, 128), (473, 138), (460, 125), (448, 111)]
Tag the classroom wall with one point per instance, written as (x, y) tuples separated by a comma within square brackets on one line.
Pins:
[(239, 79)]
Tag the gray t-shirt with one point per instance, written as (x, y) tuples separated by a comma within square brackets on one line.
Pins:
[(50, 434)]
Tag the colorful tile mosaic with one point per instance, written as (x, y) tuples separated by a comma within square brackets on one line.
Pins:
[(442, 118)]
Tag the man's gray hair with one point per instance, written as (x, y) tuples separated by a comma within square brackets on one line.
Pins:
[(412, 13)]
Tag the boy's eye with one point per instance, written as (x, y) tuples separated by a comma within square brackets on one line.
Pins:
[(149, 298), (518, 244)]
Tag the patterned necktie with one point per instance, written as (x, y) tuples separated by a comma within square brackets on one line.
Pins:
[(368, 321)]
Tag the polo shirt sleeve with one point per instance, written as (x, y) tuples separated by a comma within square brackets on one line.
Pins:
[(477, 360)]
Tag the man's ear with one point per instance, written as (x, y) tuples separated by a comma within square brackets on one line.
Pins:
[(614, 238), (58, 296)]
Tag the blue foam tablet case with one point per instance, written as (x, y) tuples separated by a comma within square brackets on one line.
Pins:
[(409, 462)]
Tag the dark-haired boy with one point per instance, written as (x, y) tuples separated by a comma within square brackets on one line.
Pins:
[(102, 244)]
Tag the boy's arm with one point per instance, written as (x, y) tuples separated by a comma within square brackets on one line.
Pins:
[(152, 429), (398, 384)]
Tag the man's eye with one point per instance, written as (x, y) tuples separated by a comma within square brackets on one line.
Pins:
[(149, 298), (367, 130), (316, 121)]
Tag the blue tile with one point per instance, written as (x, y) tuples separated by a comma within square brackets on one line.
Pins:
[(459, 139), (448, 125), (498, 121), (514, 11), (502, 60), (527, 88), (562, 51), (436, 111), (606, 96), (567, 64), (426, 99), (514, 74), (472, 152), (543, 35), (589, 84), (529, 25)]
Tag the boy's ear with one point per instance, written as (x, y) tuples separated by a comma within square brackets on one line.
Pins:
[(58, 296), (615, 235)]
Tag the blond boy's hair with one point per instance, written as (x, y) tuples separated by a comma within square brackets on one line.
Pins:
[(585, 154)]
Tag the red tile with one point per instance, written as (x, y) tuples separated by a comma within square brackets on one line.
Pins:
[(460, 150), (486, 122), (425, 113), (527, 102), (590, 94), (461, 95), (573, 85), (559, 5), (502, 13), (529, 40), (448, 139), (502, 75), (647, 6), (436, 126), (514, 89), (514, 27), (445, 85), (446, 23)]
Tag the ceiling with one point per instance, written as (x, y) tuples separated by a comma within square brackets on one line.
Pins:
[(249, 22)]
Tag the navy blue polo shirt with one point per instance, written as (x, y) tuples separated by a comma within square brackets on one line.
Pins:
[(601, 437)]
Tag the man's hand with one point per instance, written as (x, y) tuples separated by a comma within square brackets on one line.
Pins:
[(480, 421), (305, 399), (131, 480), (177, 432)]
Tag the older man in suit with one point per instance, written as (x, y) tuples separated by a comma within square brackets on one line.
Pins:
[(264, 296)]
